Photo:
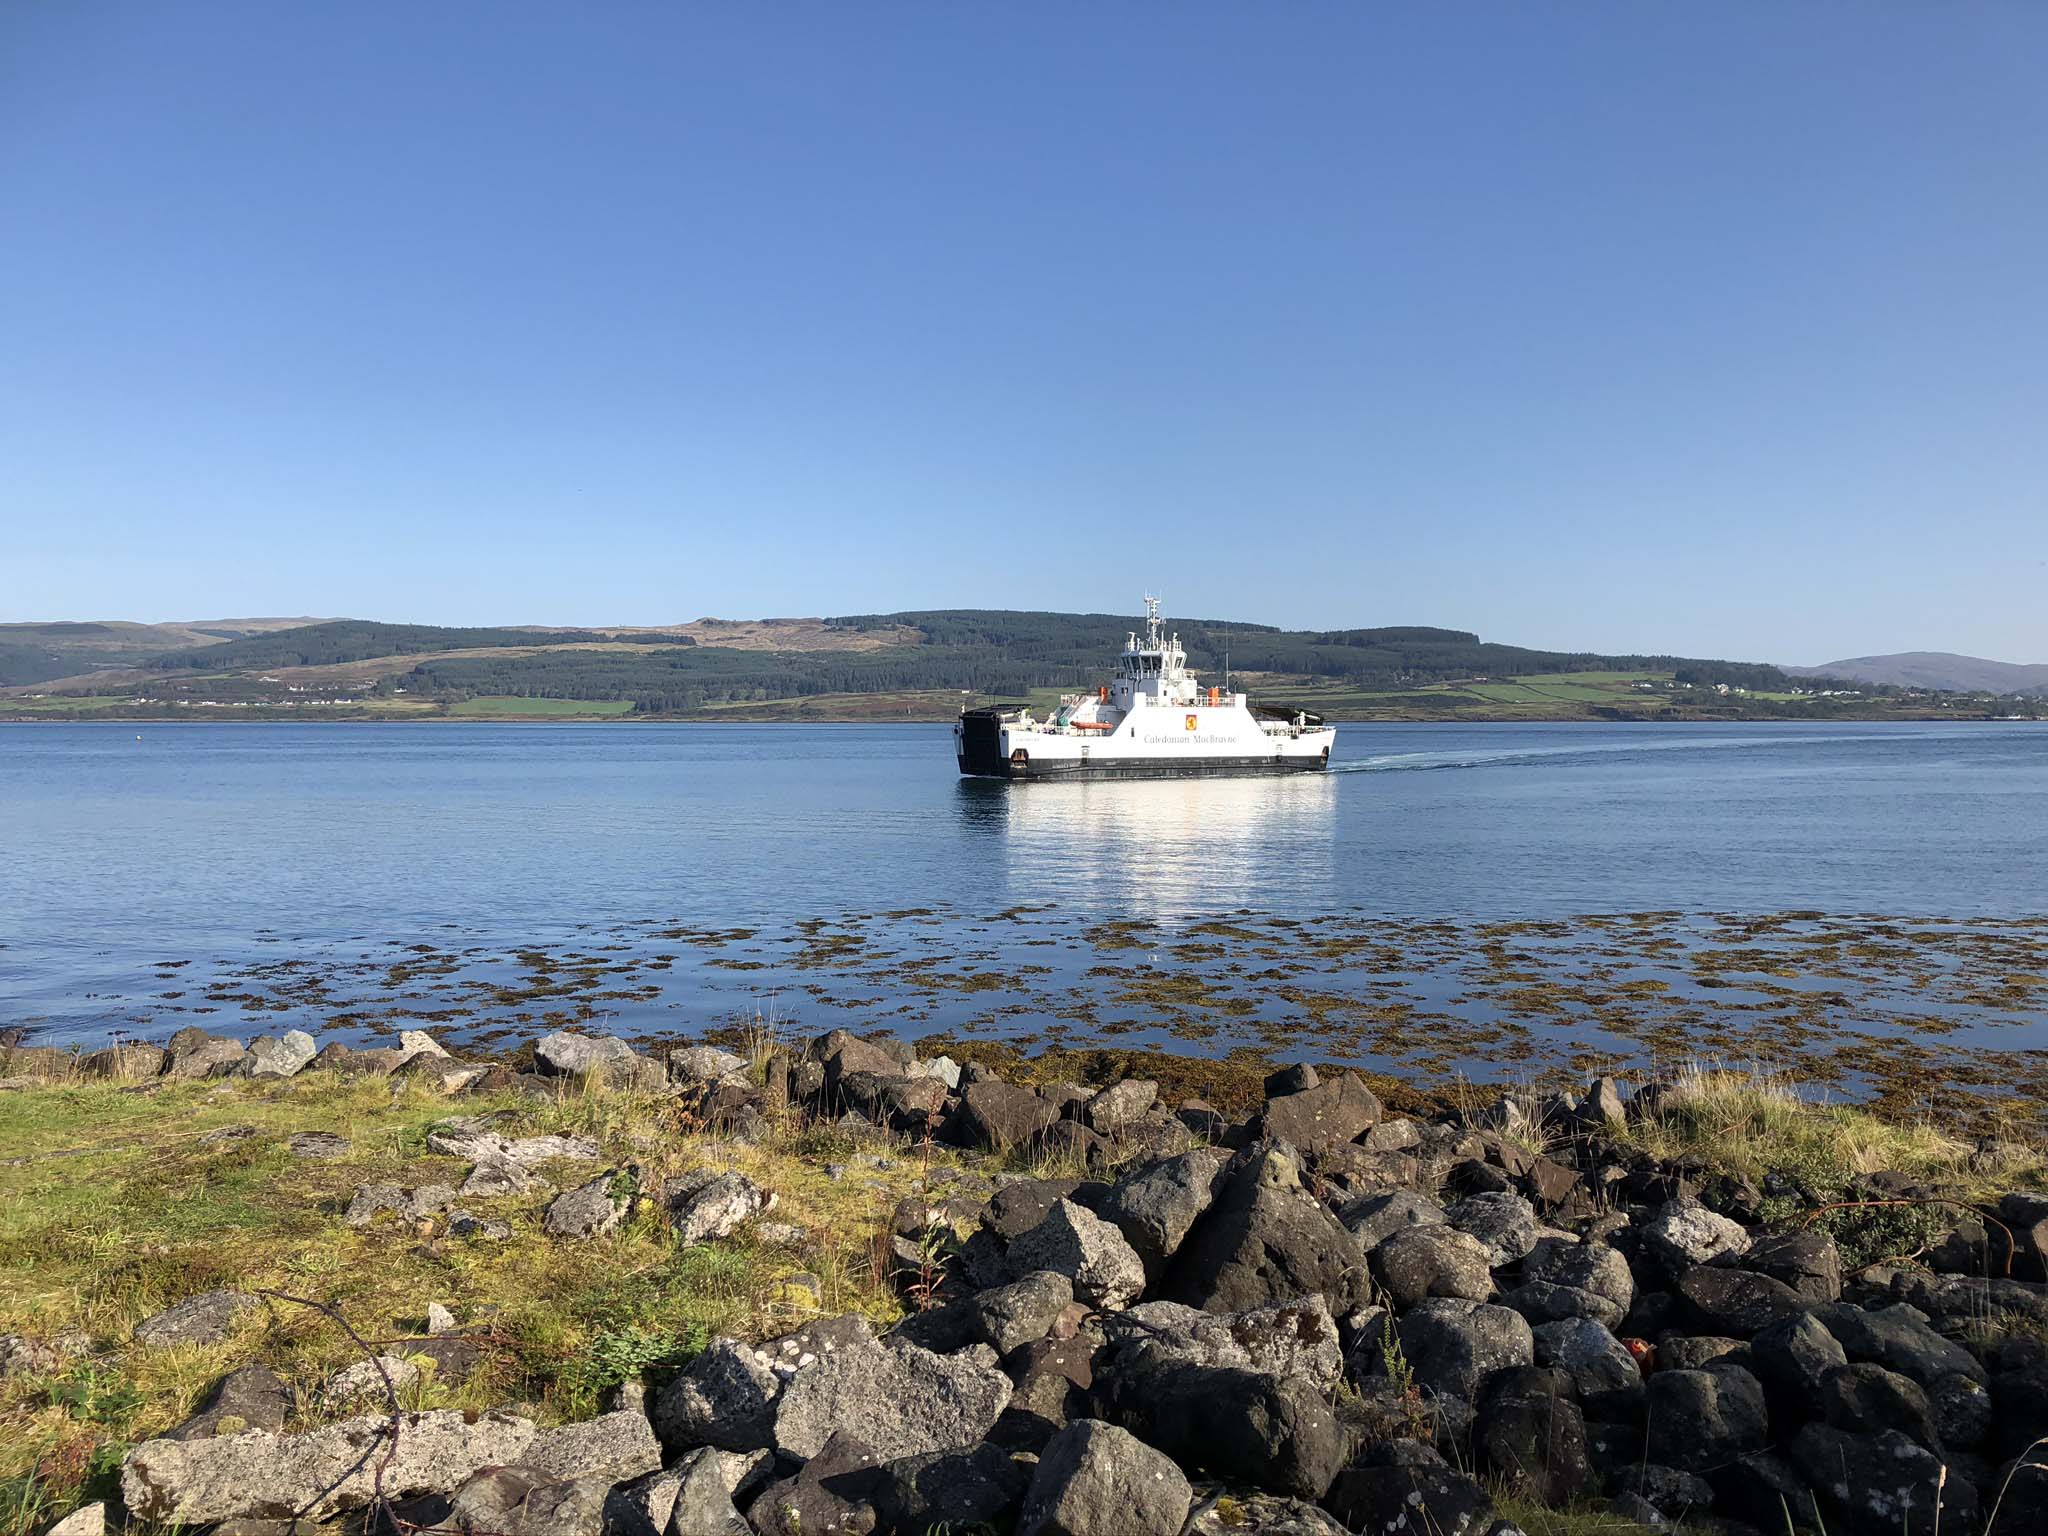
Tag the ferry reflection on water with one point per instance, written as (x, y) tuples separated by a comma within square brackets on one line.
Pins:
[(1155, 847)]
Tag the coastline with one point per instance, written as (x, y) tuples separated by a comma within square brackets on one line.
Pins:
[(577, 1268)]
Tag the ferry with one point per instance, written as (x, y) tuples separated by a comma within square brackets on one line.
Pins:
[(1152, 719)]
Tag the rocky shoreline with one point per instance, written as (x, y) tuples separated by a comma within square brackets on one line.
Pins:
[(1114, 1314)]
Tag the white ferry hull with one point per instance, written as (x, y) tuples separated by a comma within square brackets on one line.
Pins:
[(1177, 744)]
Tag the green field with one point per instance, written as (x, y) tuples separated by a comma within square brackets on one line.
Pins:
[(499, 706), (1550, 696)]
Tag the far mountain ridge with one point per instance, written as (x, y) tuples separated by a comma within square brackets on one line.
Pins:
[(1944, 670), (912, 664)]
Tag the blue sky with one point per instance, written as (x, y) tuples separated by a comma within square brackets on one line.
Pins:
[(1713, 328)]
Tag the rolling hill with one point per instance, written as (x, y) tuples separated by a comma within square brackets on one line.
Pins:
[(1937, 669), (919, 664), (34, 653)]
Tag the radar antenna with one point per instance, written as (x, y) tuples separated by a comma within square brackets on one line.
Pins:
[(1153, 639)]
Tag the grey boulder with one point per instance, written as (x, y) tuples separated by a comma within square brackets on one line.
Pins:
[(1881, 1485), (1075, 1242), (724, 1398), (250, 1397), (1155, 1208), (949, 1490), (1684, 1233), (203, 1319), (1095, 1479), (1455, 1346), (901, 1400), (1011, 1316), (1899, 1339), (285, 1056), (562, 1054), (260, 1476), (1264, 1242), (521, 1501), (1373, 1218), (1324, 1117), (612, 1447), (707, 1206), (1502, 1221), (1419, 1262), (589, 1210), (1700, 1420)]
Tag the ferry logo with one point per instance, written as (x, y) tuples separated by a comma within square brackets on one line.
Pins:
[(1192, 721)]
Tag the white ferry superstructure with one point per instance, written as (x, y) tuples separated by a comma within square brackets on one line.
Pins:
[(1152, 719)]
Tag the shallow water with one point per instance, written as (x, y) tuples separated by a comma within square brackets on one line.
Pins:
[(671, 878)]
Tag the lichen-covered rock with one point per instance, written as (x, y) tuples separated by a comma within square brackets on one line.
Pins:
[(86, 1520), (1603, 1372), (1374, 1218), (1898, 1338), (1119, 1106), (1593, 1267), (1737, 1302), (1881, 1484), (1865, 1398), (1534, 1444), (1684, 1233), (1417, 1262), (204, 1319), (562, 1054), (1297, 1339), (900, 1399), (611, 1447), (724, 1398), (706, 1206), (1011, 1316), (367, 1382), (270, 1477), (1095, 1479), (285, 1056), (1807, 1262), (705, 1064), (589, 1210), (1248, 1512), (1406, 1488), (475, 1141), (1327, 1115), (249, 1397), (1502, 1221), (1075, 1242)]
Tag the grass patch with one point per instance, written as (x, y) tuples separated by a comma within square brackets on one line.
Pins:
[(1756, 1126), (116, 1201), (496, 706)]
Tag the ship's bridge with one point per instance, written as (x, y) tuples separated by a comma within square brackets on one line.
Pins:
[(1153, 669)]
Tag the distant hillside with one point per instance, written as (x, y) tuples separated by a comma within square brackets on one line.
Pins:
[(916, 660), (1937, 669), (34, 653)]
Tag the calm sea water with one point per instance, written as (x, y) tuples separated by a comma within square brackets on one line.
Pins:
[(662, 878)]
